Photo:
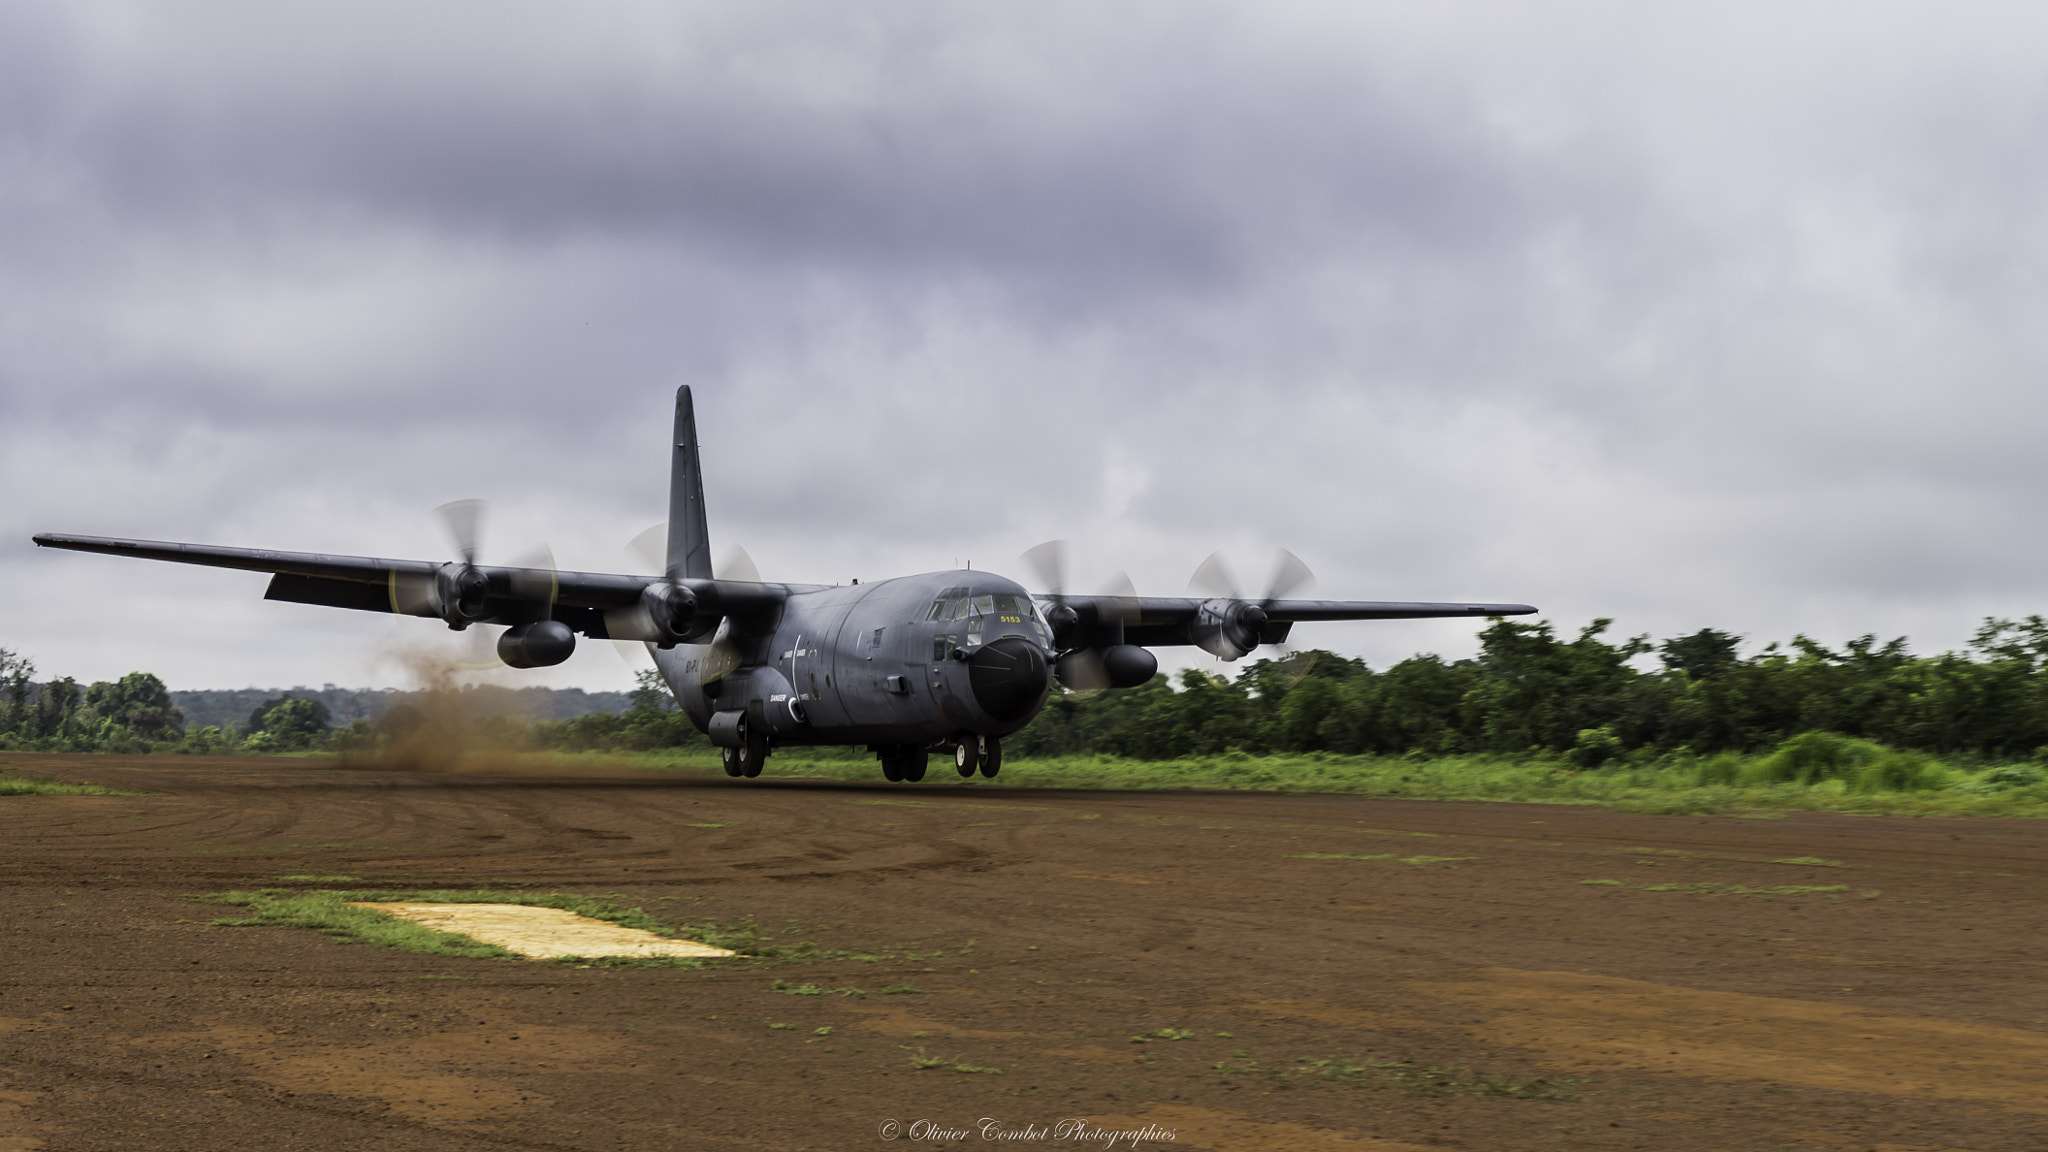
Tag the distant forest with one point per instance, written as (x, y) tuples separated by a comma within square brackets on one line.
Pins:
[(214, 707), (1593, 700)]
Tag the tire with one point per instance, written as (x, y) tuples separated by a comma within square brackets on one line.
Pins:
[(892, 766), (991, 757), (753, 750), (916, 758), (730, 757), (967, 755)]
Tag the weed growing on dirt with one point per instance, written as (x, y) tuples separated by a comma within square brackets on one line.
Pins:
[(1709, 888), (12, 785), (788, 989), (927, 1062), (1414, 861), (1810, 862), (1164, 1034), (1405, 1076), (330, 913)]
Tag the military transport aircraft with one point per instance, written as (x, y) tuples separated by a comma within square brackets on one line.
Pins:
[(944, 661)]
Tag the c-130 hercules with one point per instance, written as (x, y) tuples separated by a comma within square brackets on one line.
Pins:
[(939, 661)]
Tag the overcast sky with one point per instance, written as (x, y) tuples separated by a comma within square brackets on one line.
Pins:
[(1716, 315)]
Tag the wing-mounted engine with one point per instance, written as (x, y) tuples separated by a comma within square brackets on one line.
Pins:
[(1228, 625), (1227, 629), (669, 612), (1088, 632)]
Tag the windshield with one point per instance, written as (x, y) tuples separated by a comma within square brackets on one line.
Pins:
[(956, 604)]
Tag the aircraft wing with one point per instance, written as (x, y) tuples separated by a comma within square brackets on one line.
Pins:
[(1169, 620), (375, 584)]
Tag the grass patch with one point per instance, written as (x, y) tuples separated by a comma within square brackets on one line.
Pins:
[(1710, 888), (12, 785), (788, 989), (1407, 1077), (1810, 862), (927, 1062), (1679, 784), (1416, 861), (1607, 883), (332, 913)]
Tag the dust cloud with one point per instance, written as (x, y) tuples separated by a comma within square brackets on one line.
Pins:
[(443, 725)]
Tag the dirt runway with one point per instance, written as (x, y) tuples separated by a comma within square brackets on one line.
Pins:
[(1179, 971)]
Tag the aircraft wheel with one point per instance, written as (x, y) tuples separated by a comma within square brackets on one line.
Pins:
[(915, 758), (991, 757), (753, 750), (730, 757), (892, 765), (967, 755)]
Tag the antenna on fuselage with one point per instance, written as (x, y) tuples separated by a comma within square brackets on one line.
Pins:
[(689, 539)]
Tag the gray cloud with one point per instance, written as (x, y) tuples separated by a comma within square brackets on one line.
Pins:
[(1689, 317)]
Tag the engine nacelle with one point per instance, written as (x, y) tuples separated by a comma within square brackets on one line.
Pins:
[(672, 610), (667, 614), (1227, 629), (1065, 624), (462, 594), (537, 645)]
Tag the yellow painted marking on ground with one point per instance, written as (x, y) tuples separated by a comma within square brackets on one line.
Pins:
[(542, 933), (1592, 1021)]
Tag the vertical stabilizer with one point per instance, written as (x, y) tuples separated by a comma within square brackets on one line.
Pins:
[(689, 541)]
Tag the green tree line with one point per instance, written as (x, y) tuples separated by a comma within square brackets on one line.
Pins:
[(1531, 690), (1528, 690)]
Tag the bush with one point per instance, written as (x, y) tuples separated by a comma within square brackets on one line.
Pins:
[(1900, 772), (1594, 748), (1812, 757)]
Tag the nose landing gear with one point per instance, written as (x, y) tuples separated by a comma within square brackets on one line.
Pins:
[(978, 752)]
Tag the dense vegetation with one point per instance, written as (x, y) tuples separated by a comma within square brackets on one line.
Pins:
[(1689, 712), (1529, 690)]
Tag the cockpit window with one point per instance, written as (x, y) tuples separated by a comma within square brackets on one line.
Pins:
[(956, 604), (950, 604)]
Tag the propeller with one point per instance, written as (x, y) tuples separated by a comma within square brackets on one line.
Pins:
[(458, 592), (1083, 669), (1229, 624), (667, 611)]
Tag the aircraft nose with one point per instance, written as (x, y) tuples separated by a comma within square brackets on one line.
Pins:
[(1008, 677)]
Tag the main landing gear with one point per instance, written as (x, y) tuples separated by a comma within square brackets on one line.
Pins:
[(747, 759), (906, 763)]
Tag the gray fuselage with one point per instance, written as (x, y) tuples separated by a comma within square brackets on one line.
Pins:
[(912, 660)]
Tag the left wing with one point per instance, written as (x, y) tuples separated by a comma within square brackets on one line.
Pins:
[(498, 595)]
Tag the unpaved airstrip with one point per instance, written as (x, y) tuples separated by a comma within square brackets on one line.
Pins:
[(988, 965)]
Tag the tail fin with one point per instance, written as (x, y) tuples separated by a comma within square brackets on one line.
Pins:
[(689, 541)]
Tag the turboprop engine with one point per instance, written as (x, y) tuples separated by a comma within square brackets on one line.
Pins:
[(668, 614), (462, 594), (1227, 628)]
